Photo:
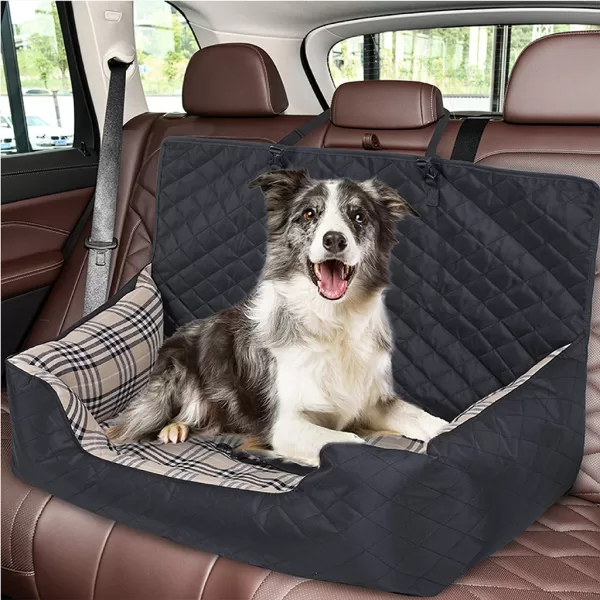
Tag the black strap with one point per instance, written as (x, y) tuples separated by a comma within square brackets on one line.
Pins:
[(468, 138), (437, 135), (101, 243), (291, 139)]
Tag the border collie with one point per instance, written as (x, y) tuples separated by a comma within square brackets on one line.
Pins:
[(306, 360)]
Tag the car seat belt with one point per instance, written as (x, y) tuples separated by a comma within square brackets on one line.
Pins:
[(291, 139), (101, 242), (468, 138)]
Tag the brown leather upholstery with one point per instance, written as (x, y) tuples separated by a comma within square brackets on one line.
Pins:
[(556, 80), (41, 224), (33, 233), (233, 80), (52, 550), (396, 116), (386, 105), (32, 272)]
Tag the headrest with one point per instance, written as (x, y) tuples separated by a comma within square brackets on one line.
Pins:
[(556, 80), (233, 80), (386, 105)]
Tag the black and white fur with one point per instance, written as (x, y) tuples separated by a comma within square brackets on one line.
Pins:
[(289, 366)]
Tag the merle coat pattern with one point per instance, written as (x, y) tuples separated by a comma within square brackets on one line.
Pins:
[(306, 359)]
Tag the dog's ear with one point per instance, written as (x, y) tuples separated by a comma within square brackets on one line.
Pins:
[(397, 206), (282, 183), (279, 187)]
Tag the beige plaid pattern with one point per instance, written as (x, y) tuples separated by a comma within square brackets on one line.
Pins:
[(101, 365)]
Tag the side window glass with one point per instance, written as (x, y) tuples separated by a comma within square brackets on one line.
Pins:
[(470, 65), (43, 73), (165, 43)]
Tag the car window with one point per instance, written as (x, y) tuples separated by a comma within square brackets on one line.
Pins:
[(165, 42), (43, 72), (470, 65), (36, 122)]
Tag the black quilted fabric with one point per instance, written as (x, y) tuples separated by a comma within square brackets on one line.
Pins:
[(497, 273), (490, 279)]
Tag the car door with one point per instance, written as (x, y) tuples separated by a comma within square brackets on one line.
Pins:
[(49, 170)]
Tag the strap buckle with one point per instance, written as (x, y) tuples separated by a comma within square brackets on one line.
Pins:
[(276, 153), (99, 246), (428, 170)]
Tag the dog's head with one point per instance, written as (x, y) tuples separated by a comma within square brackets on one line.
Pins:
[(338, 233)]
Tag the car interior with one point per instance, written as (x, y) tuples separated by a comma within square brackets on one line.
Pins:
[(521, 81)]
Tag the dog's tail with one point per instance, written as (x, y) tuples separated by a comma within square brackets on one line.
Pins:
[(152, 409)]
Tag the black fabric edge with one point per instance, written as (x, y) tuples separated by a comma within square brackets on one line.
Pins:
[(410, 158), (70, 460), (29, 470)]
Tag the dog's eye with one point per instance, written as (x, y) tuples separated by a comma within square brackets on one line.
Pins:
[(359, 218), (309, 214)]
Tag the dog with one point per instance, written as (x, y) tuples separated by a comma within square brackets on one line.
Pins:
[(305, 360)]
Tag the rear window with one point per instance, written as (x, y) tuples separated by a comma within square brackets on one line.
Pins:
[(470, 65), (165, 43)]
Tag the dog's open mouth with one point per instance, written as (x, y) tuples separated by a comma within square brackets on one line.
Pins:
[(332, 277)]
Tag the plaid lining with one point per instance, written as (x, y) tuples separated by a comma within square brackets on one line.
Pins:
[(100, 366)]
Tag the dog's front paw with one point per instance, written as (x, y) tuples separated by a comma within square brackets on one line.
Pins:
[(306, 451), (174, 433), (424, 427)]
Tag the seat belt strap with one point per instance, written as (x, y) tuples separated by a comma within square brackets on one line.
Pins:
[(437, 135), (102, 242), (468, 138), (291, 139)]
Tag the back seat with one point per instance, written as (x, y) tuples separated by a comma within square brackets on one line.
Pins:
[(51, 549)]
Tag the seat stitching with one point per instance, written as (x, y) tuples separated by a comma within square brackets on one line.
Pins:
[(496, 562), (126, 253), (12, 525), (72, 295), (35, 226), (39, 271), (208, 574), (37, 520), (292, 589), (108, 534), (261, 584), (25, 573), (431, 99)]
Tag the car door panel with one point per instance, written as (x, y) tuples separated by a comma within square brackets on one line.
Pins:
[(42, 224), (46, 189), (31, 272)]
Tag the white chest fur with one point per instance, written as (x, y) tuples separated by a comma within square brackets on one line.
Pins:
[(337, 365)]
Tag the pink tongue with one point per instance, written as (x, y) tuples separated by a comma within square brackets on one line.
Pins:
[(332, 284)]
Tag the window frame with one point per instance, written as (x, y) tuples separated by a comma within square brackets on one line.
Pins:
[(61, 169), (318, 43), (86, 135)]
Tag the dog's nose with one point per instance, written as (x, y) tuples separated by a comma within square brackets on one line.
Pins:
[(334, 241)]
